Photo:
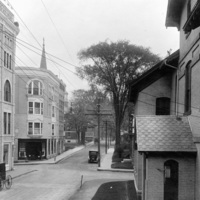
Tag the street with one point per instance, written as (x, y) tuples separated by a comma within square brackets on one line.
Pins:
[(59, 181)]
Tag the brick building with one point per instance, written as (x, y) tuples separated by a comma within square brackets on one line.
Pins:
[(165, 155), (178, 96), (39, 112), (185, 16), (8, 32)]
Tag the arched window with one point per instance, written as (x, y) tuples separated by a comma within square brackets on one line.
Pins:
[(188, 89), (163, 106), (35, 87), (7, 91)]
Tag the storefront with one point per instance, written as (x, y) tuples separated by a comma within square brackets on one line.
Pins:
[(32, 149)]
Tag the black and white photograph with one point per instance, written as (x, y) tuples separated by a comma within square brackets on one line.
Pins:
[(99, 99)]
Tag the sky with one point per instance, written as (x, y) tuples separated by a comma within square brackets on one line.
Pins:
[(68, 26)]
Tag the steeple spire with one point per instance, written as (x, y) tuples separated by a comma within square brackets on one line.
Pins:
[(43, 64)]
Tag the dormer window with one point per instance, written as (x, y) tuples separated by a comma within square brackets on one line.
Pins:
[(35, 88)]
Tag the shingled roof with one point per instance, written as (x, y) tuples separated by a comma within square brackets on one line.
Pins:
[(164, 134)]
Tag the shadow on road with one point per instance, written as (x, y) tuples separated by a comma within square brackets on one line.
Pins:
[(103, 189), (118, 190)]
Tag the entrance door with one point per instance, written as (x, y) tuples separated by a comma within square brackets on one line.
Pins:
[(171, 180), (6, 155)]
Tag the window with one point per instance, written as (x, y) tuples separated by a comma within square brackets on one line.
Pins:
[(7, 123), (188, 89), (34, 128), (35, 108), (7, 91), (68, 135), (37, 128), (53, 111), (10, 63), (53, 129), (7, 60), (163, 106), (4, 59), (51, 92), (30, 110), (35, 88), (30, 128), (54, 146)]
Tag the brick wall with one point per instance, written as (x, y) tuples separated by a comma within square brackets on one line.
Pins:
[(155, 178), (146, 102)]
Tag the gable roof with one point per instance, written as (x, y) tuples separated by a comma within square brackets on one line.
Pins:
[(153, 74), (164, 134)]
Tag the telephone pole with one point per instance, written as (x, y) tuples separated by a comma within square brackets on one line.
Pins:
[(99, 113)]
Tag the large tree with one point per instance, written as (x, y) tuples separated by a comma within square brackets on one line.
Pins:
[(113, 66)]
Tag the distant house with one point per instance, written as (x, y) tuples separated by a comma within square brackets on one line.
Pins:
[(90, 132), (71, 137), (165, 154)]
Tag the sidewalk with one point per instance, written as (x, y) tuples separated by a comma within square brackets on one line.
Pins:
[(106, 162), (56, 159)]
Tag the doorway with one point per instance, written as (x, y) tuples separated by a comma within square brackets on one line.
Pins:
[(6, 155), (171, 180)]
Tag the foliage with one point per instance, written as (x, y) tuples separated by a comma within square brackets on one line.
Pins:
[(81, 102), (112, 66)]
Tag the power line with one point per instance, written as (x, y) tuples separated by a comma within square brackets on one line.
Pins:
[(54, 63), (56, 28), (35, 38), (49, 53)]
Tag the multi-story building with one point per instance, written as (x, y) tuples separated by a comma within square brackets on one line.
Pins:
[(185, 16), (8, 32), (39, 113), (167, 155)]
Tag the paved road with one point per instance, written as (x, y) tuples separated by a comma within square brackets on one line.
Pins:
[(58, 181)]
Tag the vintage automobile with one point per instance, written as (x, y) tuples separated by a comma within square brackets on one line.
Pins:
[(93, 156)]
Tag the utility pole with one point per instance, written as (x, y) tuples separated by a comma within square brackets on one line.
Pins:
[(99, 149), (106, 145), (99, 114)]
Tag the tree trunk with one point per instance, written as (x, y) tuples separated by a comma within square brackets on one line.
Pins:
[(83, 137), (117, 124)]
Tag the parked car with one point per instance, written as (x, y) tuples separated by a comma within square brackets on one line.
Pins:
[(93, 156)]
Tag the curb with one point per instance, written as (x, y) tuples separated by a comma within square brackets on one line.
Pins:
[(115, 170), (17, 176)]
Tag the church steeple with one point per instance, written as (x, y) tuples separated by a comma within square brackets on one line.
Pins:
[(43, 64)]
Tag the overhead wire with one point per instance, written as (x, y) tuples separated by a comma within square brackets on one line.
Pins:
[(36, 40), (59, 35), (57, 64)]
